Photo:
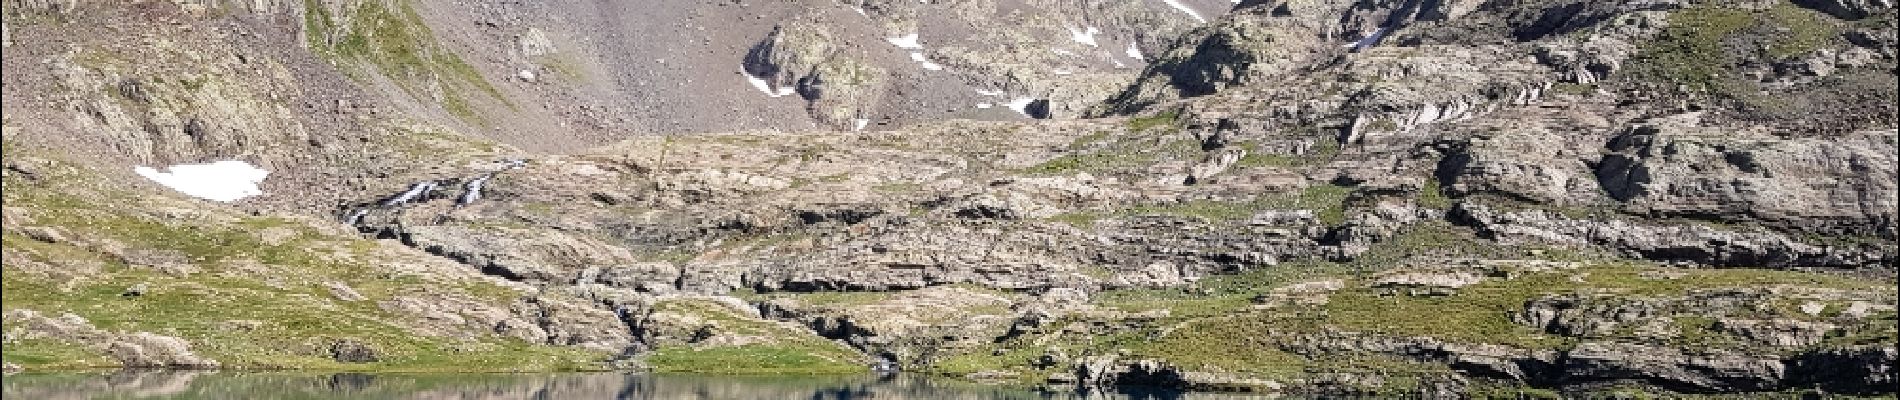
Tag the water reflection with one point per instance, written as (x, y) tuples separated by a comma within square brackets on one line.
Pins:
[(275, 385)]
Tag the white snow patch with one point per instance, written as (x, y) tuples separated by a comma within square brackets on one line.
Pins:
[(765, 87), (984, 105), (1369, 40), (222, 181), (860, 123), (1020, 105), (989, 92), (1135, 52), (1060, 71), (1084, 36), (919, 58), (860, 10), (1184, 8), (906, 42)]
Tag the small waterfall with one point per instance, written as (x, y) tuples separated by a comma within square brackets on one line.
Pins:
[(473, 190), (414, 192)]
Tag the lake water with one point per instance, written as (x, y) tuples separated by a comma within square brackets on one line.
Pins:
[(278, 385)]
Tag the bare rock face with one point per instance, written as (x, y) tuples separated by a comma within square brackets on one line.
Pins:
[(1694, 243), (1838, 185), (570, 324), (805, 57), (1849, 9), (1867, 369), (1719, 372), (1531, 162), (147, 350)]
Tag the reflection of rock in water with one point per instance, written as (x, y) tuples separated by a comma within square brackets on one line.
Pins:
[(226, 385), (351, 382)]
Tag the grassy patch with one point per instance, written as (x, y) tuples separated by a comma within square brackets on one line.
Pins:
[(1086, 162), (1432, 195), (54, 354), (1120, 155), (1802, 30), (787, 351), (1574, 89), (1326, 201), (1080, 219), (899, 187), (1691, 52), (247, 303), (1161, 119), (1702, 45), (393, 39)]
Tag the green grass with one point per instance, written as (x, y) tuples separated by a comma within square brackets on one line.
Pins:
[(1698, 49), (898, 187), (238, 277), (1212, 326), (1807, 30), (1326, 201), (1161, 119), (1080, 219), (1128, 153), (788, 351), (820, 299), (1432, 195), (1087, 162), (54, 354), (1690, 51), (393, 39)]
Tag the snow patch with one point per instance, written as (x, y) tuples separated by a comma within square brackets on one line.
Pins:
[(860, 123), (222, 181), (984, 105), (1084, 36), (765, 87), (1020, 105), (1135, 52), (989, 92), (908, 42), (1369, 40), (919, 58), (1184, 8)]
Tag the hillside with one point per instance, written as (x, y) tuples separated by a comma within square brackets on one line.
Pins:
[(1324, 197)]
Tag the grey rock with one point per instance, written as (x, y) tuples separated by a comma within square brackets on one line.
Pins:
[(1716, 371), (149, 350), (353, 351)]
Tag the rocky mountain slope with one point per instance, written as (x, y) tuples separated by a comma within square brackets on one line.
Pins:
[(1396, 197)]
